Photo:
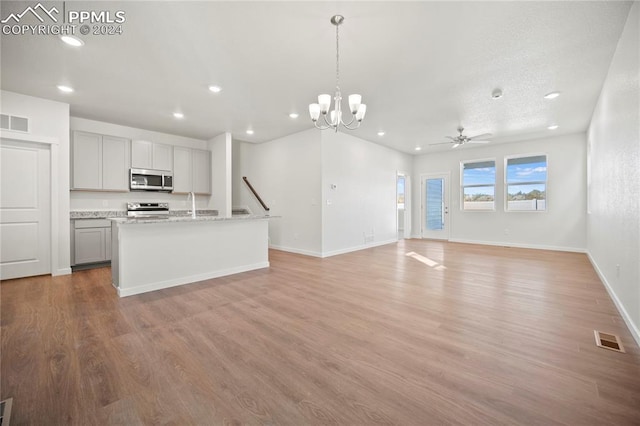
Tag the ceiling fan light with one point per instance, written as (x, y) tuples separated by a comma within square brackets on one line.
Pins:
[(361, 112), (314, 111), (325, 102), (354, 103)]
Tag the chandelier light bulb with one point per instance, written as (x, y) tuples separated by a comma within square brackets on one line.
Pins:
[(354, 103), (325, 102), (314, 112)]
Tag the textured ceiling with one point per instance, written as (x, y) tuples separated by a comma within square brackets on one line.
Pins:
[(422, 68)]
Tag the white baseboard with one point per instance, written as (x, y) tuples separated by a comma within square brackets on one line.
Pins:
[(360, 247), (61, 271), (633, 328), (333, 252), (122, 292), (519, 245), (296, 250)]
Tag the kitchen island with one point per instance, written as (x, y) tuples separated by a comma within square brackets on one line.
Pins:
[(155, 253)]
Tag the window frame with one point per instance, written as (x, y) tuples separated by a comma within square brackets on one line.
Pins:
[(545, 182), (463, 186)]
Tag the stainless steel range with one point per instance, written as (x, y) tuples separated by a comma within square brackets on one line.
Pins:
[(148, 210)]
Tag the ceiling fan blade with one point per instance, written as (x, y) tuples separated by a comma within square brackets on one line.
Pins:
[(441, 143), (484, 135), (478, 141)]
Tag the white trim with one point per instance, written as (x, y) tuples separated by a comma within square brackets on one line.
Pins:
[(520, 245), (358, 248), (61, 271), (334, 252), (52, 144), (27, 137), (633, 328), (296, 250), (130, 291)]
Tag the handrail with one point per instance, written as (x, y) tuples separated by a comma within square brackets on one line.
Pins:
[(264, 206)]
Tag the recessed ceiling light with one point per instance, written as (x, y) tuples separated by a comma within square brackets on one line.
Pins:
[(178, 115), (293, 115), (553, 127), (249, 132), (65, 89), (72, 40), (381, 133), (215, 89), (552, 95), (418, 148)]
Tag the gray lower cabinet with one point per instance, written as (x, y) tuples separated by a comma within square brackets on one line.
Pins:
[(92, 241)]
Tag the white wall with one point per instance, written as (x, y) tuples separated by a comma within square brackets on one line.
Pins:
[(286, 174), (98, 200), (361, 211), (561, 227), (613, 224), (49, 119), (221, 172)]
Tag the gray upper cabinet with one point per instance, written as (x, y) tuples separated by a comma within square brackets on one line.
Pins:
[(115, 164), (150, 155), (182, 175), (191, 170), (100, 163), (201, 171)]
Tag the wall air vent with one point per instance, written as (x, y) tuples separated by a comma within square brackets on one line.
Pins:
[(608, 341), (14, 123)]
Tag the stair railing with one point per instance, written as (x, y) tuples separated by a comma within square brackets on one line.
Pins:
[(264, 206)]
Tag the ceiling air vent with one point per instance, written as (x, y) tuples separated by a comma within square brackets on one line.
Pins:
[(11, 122)]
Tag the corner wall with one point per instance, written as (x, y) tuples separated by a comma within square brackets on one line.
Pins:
[(286, 172), (359, 207), (613, 222), (561, 227)]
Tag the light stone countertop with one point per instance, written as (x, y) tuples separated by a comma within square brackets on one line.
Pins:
[(108, 214), (186, 218)]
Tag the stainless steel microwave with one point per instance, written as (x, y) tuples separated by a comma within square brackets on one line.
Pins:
[(150, 180)]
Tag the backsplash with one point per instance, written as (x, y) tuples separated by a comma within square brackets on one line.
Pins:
[(98, 201)]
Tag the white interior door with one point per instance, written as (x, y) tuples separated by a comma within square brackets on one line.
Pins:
[(25, 200), (435, 206)]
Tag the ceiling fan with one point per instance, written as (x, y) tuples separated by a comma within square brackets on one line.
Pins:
[(463, 139)]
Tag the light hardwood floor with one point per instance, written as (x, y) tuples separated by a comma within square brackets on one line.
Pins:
[(414, 333)]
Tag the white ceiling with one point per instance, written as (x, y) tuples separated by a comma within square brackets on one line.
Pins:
[(422, 67)]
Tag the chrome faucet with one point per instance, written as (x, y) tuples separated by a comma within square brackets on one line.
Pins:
[(192, 196)]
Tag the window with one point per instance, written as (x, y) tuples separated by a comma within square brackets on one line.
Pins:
[(478, 185), (400, 192), (526, 183)]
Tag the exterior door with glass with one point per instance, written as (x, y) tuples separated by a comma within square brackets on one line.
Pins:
[(435, 206)]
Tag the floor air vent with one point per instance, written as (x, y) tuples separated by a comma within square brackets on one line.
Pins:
[(5, 412), (608, 341)]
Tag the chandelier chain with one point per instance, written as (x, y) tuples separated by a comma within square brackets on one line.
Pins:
[(338, 56)]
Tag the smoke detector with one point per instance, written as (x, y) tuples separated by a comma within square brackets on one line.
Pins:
[(496, 94)]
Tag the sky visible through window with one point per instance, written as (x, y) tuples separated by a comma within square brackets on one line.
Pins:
[(479, 176), (525, 175)]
